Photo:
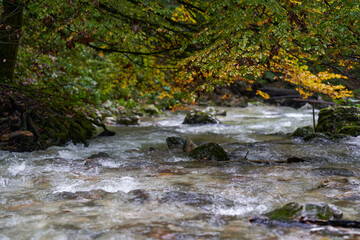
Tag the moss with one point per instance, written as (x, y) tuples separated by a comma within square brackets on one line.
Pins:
[(210, 151), (339, 121), (303, 131), (286, 213), (350, 130)]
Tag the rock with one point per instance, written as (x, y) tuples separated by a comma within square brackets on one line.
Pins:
[(215, 112), (339, 120), (303, 131), (333, 171), (128, 120), (151, 109), (99, 155), (175, 142), (313, 211), (93, 195), (189, 146), (92, 160), (200, 117), (138, 196), (209, 151), (194, 199)]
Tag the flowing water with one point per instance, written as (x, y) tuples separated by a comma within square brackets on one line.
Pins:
[(145, 191)]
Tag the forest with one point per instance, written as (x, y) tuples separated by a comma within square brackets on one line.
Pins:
[(152, 102)]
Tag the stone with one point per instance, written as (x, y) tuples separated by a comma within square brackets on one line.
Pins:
[(99, 155), (200, 117), (128, 120), (333, 172), (303, 131), (194, 199), (96, 194), (175, 142), (339, 120), (151, 109), (138, 196), (313, 211), (189, 146), (209, 151)]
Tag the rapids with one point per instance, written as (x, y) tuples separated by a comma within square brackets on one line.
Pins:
[(142, 193)]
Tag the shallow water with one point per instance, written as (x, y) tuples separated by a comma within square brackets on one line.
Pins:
[(163, 194)]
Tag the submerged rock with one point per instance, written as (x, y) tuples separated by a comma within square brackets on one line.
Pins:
[(93, 159), (339, 120), (92, 194), (138, 196), (194, 199), (200, 117), (333, 171), (314, 211), (209, 151)]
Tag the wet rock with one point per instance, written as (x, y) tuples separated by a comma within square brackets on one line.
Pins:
[(93, 195), (303, 131), (138, 196), (200, 117), (216, 220), (194, 199), (215, 112), (168, 171), (92, 160), (209, 151), (333, 171), (99, 155), (189, 146), (314, 211), (18, 136), (151, 109), (175, 142), (339, 120), (128, 120)]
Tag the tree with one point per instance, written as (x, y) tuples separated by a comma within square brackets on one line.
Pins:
[(193, 46), (10, 33)]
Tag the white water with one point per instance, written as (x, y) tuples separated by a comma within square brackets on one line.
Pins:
[(38, 190)]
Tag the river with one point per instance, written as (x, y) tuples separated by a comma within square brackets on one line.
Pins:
[(145, 191)]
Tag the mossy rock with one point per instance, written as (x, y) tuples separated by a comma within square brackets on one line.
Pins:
[(303, 131), (339, 120), (209, 151), (200, 117), (315, 211)]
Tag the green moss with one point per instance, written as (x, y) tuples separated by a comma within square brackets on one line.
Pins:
[(303, 131), (337, 120), (350, 130), (285, 213), (210, 151)]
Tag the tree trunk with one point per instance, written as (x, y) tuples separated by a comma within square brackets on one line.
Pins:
[(10, 32)]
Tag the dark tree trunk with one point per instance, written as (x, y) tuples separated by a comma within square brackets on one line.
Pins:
[(10, 32)]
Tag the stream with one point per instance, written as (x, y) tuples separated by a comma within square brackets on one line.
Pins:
[(146, 191)]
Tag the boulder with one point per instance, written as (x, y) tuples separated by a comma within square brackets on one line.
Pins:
[(151, 109), (303, 131), (175, 142), (189, 146), (209, 151), (312, 211), (128, 120), (200, 117), (339, 120)]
